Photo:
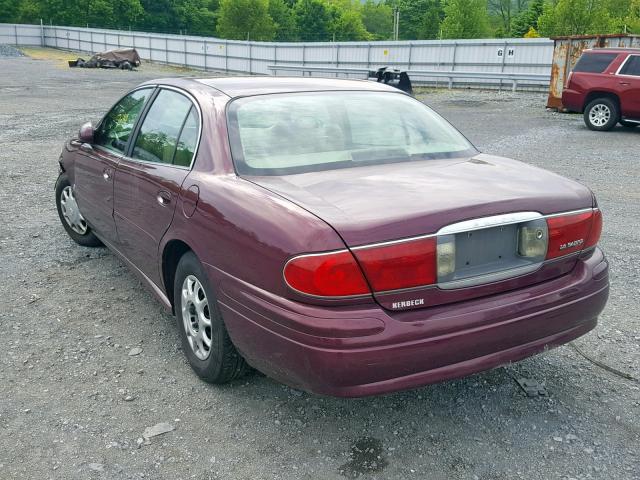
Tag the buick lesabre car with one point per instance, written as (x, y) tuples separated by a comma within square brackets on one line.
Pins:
[(339, 236)]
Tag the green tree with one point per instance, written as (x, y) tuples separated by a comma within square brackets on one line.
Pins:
[(239, 19), (378, 19), (197, 17), (465, 19), (312, 19), (282, 14), (527, 19), (632, 20), (575, 17), (9, 11), (419, 19), (346, 21)]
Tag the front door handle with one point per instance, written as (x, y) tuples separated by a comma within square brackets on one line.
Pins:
[(164, 198), (626, 84)]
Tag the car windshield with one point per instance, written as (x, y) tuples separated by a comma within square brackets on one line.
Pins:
[(283, 134)]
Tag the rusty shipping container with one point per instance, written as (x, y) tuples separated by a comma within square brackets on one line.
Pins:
[(567, 51)]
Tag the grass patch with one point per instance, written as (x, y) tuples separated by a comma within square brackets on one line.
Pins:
[(59, 57)]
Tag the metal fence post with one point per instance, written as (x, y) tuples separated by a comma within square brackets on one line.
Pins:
[(204, 46), (368, 56), (226, 56), (42, 44), (104, 39), (15, 32), (250, 58), (504, 57), (304, 48), (118, 40), (409, 62), (337, 55), (55, 35), (91, 37), (185, 53), (166, 50)]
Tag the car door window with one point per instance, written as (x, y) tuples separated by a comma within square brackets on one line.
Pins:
[(158, 136), (188, 140), (115, 129), (632, 66)]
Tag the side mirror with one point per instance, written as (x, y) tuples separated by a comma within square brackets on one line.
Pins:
[(85, 135)]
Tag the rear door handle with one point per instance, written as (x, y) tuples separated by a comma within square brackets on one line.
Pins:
[(106, 174), (164, 198)]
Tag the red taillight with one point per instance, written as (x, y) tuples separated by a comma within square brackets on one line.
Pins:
[(596, 230), (399, 265), (574, 232), (387, 267), (334, 274)]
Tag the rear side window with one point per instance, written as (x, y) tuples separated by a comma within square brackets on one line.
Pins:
[(594, 62), (188, 140), (632, 66), (161, 128)]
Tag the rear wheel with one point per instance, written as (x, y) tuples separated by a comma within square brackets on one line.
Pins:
[(628, 124), (205, 339), (602, 114), (70, 216)]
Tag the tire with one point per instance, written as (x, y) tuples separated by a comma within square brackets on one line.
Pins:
[(602, 114), (71, 218), (627, 124), (220, 362)]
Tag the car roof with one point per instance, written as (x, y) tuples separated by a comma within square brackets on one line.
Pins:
[(260, 85), (613, 50)]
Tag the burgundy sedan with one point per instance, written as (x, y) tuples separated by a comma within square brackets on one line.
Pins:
[(337, 235)]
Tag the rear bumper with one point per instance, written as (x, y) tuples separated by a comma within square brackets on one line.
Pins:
[(573, 100), (362, 351)]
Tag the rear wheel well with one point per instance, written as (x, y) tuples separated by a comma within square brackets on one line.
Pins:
[(173, 252), (594, 95)]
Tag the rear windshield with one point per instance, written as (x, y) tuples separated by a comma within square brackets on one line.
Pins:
[(594, 62), (285, 134)]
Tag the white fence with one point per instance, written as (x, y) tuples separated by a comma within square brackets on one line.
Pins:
[(533, 56)]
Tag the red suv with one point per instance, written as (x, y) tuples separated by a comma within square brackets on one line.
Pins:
[(605, 86)]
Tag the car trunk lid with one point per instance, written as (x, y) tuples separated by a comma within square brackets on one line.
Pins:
[(386, 203)]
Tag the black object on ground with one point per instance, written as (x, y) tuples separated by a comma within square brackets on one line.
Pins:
[(392, 76)]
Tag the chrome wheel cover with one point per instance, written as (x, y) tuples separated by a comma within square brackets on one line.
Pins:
[(196, 317), (70, 211), (600, 115)]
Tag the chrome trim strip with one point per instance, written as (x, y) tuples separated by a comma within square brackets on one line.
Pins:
[(489, 222), (393, 242), (573, 212), (490, 277)]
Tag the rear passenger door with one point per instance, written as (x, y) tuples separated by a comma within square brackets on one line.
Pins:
[(148, 181), (629, 79)]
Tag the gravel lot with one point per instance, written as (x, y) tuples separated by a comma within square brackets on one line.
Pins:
[(74, 402)]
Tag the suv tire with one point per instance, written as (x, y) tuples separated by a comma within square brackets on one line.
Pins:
[(602, 114)]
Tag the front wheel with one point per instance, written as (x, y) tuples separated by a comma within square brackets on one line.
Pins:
[(601, 114), (70, 216), (205, 339)]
